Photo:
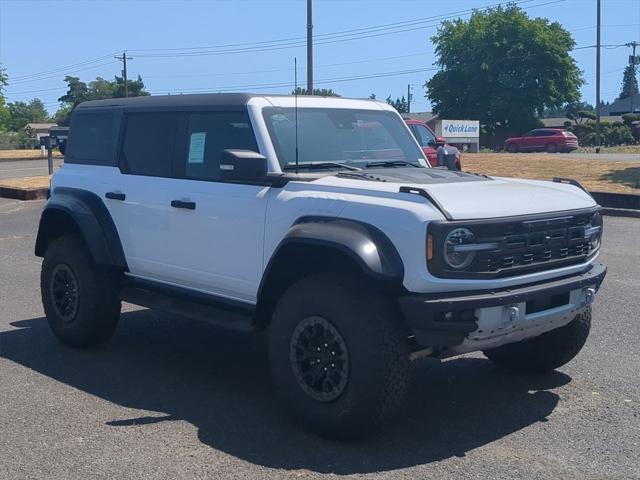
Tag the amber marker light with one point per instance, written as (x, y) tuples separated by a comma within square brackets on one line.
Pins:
[(429, 247)]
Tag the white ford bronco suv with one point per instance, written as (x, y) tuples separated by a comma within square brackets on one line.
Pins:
[(319, 221)]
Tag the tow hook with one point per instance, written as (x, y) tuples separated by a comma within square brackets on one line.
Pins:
[(512, 312), (589, 296)]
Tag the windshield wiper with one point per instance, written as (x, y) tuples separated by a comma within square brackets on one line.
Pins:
[(320, 165), (390, 164)]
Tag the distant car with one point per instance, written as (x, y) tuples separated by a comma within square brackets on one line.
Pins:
[(427, 140), (549, 140)]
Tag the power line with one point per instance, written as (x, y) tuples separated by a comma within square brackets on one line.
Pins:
[(61, 69), (323, 39)]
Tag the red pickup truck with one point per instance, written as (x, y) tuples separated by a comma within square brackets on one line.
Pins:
[(427, 140)]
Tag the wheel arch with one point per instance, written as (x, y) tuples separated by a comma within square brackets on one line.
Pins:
[(315, 244), (77, 211)]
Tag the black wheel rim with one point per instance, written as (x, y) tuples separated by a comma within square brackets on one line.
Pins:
[(64, 292), (320, 359)]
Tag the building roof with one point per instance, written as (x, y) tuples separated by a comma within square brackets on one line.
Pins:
[(622, 106), (39, 126), (423, 116)]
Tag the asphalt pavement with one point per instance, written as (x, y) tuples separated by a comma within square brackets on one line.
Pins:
[(169, 398)]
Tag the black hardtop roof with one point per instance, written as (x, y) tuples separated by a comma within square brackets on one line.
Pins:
[(161, 101)]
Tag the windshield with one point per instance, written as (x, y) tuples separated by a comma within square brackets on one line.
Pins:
[(337, 136)]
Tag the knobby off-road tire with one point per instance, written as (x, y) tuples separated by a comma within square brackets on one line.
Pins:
[(80, 300), (357, 330), (545, 352)]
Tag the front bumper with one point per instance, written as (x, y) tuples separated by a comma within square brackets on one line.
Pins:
[(486, 319)]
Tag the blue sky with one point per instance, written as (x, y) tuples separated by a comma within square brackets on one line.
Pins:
[(41, 41)]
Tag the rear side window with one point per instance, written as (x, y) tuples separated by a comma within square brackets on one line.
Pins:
[(149, 143), (423, 135), (208, 134), (92, 139)]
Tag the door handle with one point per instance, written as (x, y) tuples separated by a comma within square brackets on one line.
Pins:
[(183, 204), (115, 195)]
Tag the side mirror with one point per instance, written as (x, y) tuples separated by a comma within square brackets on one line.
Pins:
[(243, 165)]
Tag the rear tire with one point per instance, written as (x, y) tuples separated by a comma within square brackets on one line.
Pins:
[(551, 148), (545, 352), (328, 316), (80, 300)]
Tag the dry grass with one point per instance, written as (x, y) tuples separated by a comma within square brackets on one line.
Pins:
[(595, 175), (26, 183), (25, 154)]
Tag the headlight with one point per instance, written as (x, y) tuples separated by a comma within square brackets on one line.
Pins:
[(593, 233), (455, 254)]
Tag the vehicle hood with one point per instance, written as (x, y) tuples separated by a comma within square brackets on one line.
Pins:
[(465, 195)]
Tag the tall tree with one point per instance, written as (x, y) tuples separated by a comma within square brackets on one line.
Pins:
[(320, 92), (400, 104), (502, 68), (629, 82), (21, 113), (77, 92), (99, 89), (4, 112)]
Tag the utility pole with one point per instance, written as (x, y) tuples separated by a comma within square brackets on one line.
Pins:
[(408, 98), (124, 59), (309, 48), (598, 77), (633, 61)]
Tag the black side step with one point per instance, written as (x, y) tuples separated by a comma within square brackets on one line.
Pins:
[(425, 194), (212, 309)]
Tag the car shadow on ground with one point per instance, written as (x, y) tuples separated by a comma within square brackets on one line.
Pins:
[(219, 381)]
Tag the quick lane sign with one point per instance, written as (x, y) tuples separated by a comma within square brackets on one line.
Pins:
[(460, 128)]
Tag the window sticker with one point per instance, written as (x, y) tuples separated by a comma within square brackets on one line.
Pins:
[(196, 147)]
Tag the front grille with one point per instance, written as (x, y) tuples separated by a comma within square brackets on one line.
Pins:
[(522, 245), (533, 243)]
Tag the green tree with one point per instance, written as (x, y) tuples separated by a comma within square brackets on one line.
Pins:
[(629, 82), (77, 92), (63, 115), (21, 113), (99, 89), (136, 87), (400, 104), (502, 68), (320, 92)]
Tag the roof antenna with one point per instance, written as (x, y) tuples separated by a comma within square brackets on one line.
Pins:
[(295, 96)]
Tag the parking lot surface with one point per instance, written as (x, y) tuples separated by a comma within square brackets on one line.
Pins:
[(171, 398)]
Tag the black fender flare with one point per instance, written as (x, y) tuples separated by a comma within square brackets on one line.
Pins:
[(365, 244), (93, 220)]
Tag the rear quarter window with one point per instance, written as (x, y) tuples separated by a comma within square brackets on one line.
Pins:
[(92, 139)]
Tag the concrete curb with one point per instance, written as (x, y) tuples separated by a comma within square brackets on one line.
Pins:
[(621, 212), (18, 193), (627, 201)]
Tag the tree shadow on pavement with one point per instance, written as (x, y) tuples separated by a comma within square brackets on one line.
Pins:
[(219, 381), (629, 177)]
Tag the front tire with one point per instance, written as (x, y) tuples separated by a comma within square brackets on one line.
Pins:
[(339, 357), (512, 148), (545, 352), (80, 300)]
